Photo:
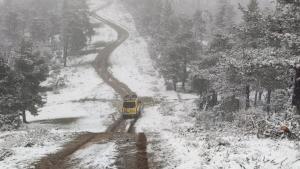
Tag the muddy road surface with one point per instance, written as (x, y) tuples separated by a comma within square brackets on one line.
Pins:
[(131, 147), (101, 64)]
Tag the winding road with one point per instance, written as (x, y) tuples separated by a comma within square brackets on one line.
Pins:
[(102, 64), (131, 147)]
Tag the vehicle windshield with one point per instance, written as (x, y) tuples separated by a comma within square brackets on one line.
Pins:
[(129, 105)]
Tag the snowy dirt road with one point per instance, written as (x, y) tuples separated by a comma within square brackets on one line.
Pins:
[(82, 116), (129, 149)]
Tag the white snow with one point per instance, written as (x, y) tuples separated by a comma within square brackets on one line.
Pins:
[(174, 138), (177, 142), (131, 62), (104, 33), (29, 145), (80, 83), (83, 103), (65, 112), (84, 96), (96, 156), (26, 156), (82, 59)]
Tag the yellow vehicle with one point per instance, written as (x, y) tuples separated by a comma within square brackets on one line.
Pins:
[(132, 106)]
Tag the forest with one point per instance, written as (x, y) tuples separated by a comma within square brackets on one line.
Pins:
[(246, 65), (36, 36), (142, 84)]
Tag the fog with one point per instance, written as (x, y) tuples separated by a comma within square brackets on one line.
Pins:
[(188, 7), (209, 84)]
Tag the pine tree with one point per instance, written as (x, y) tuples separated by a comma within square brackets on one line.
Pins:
[(183, 53), (38, 30), (9, 89), (152, 10), (253, 29), (166, 30), (224, 18), (76, 28), (33, 70), (167, 12), (223, 25), (12, 25), (284, 27), (199, 25), (10, 86), (220, 43), (250, 35)]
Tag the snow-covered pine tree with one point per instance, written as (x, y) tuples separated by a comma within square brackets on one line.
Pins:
[(33, 70), (199, 25), (38, 30), (223, 24), (75, 27), (10, 87), (253, 28), (251, 36), (224, 19), (284, 26)]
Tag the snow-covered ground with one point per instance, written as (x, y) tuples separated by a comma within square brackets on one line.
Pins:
[(96, 156), (80, 60), (81, 103), (84, 103), (175, 138), (84, 97), (104, 33), (131, 62), (178, 141)]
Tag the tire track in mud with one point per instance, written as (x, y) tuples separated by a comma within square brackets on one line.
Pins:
[(101, 65), (132, 147)]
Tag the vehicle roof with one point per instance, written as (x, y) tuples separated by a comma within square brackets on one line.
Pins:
[(132, 97)]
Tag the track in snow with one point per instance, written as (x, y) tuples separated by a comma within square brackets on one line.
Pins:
[(131, 147)]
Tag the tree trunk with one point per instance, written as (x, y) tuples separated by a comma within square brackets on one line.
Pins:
[(175, 85), (296, 94), (298, 109), (214, 99), (24, 117), (174, 80), (247, 97), (184, 74), (255, 99), (65, 56), (260, 95), (269, 100)]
